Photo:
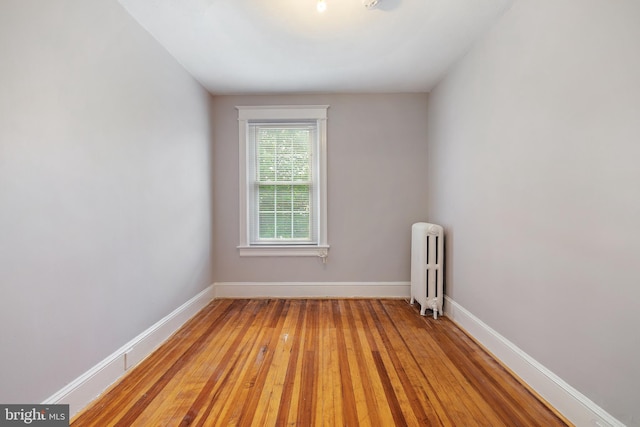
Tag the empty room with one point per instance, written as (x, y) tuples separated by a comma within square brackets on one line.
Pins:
[(207, 212)]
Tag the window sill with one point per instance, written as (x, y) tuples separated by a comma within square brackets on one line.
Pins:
[(284, 250)]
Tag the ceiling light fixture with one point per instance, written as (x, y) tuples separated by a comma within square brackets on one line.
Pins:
[(321, 6)]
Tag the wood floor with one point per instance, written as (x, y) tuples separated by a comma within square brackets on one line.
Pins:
[(317, 362)]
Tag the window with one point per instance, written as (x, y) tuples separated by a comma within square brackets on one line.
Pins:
[(283, 200)]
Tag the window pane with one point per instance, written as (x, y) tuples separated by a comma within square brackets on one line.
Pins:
[(266, 157), (301, 198), (284, 156), (301, 159), (283, 198), (283, 225), (301, 226), (267, 225), (283, 153), (267, 198)]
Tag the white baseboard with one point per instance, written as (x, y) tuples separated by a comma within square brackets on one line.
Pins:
[(578, 409), (312, 289), (92, 383)]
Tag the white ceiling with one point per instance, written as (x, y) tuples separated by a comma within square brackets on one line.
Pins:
[(286, 46)]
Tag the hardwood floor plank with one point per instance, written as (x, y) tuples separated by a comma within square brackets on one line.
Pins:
[(466, 407), (377, 403), (447, 395), (318, 362), (346, 389), (330, 409), (209, 373), (226, 406), (271, 395), (400, 371), (292, 366), (194, 385), (307, 400), (250, 355), (268, 347)]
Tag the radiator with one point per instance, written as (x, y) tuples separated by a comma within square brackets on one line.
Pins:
[(427, 267)]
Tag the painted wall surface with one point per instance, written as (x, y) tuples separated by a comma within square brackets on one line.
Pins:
[(376, 156), (534, 141), (105, 199)]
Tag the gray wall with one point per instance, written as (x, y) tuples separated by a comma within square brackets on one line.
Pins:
[(376, 173), (534, 141), (104, 189)]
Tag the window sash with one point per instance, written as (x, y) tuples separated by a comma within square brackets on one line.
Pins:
[(281, 220)]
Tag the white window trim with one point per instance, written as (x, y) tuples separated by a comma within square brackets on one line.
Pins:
[(284, 112)]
